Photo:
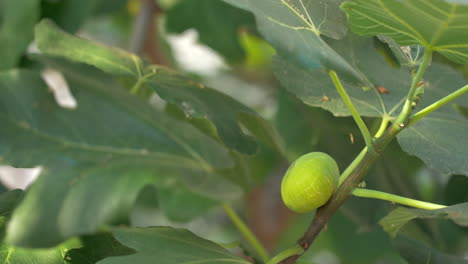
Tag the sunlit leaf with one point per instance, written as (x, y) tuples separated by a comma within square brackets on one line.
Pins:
[(435, 24), (51, 40), (11, 255)]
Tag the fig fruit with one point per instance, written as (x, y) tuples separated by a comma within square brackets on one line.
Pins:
[(309, 182)]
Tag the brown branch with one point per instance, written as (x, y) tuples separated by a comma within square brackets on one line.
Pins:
[(145, 37), (325, 212)]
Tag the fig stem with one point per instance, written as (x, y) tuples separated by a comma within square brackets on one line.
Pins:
[(366, 193), (383, 126), (246, 232), (407, 107), (295, 250), (436, 105), (357, 118), (352, 166)]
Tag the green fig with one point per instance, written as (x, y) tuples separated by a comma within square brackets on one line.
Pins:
[(309, 182)]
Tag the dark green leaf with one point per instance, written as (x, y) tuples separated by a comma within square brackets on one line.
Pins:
[(393, 222), (222, 37), (415, 252), (315, 88), (293, 27), (181, 205), (250, 171), (440, 140), (72, 200), (291, 120), (435, 24), (119, 127), (72, 14), (196, 100), (9, 200), (440, 81), (455, 190), (169, 246), (109, 6), (425, 139), (17, 20), (324, 132), (69, 200), (122, 143), (95, 248)]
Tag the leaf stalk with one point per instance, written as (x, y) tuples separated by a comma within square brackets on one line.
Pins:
[(431, 108), (357, 117), (246, 232), (407, 107), (296, 249), (366, 193)]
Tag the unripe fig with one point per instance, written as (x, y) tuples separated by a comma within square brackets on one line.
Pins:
[(309, 182)]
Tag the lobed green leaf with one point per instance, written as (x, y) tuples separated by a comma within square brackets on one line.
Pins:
[(294, 29), (169, 246), (117, 147), (435, 24), (37, 130), (196, 100)]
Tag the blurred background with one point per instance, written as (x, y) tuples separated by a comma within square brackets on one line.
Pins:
[(219, 45)]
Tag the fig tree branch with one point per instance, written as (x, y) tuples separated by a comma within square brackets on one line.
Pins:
[(359, 171)]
